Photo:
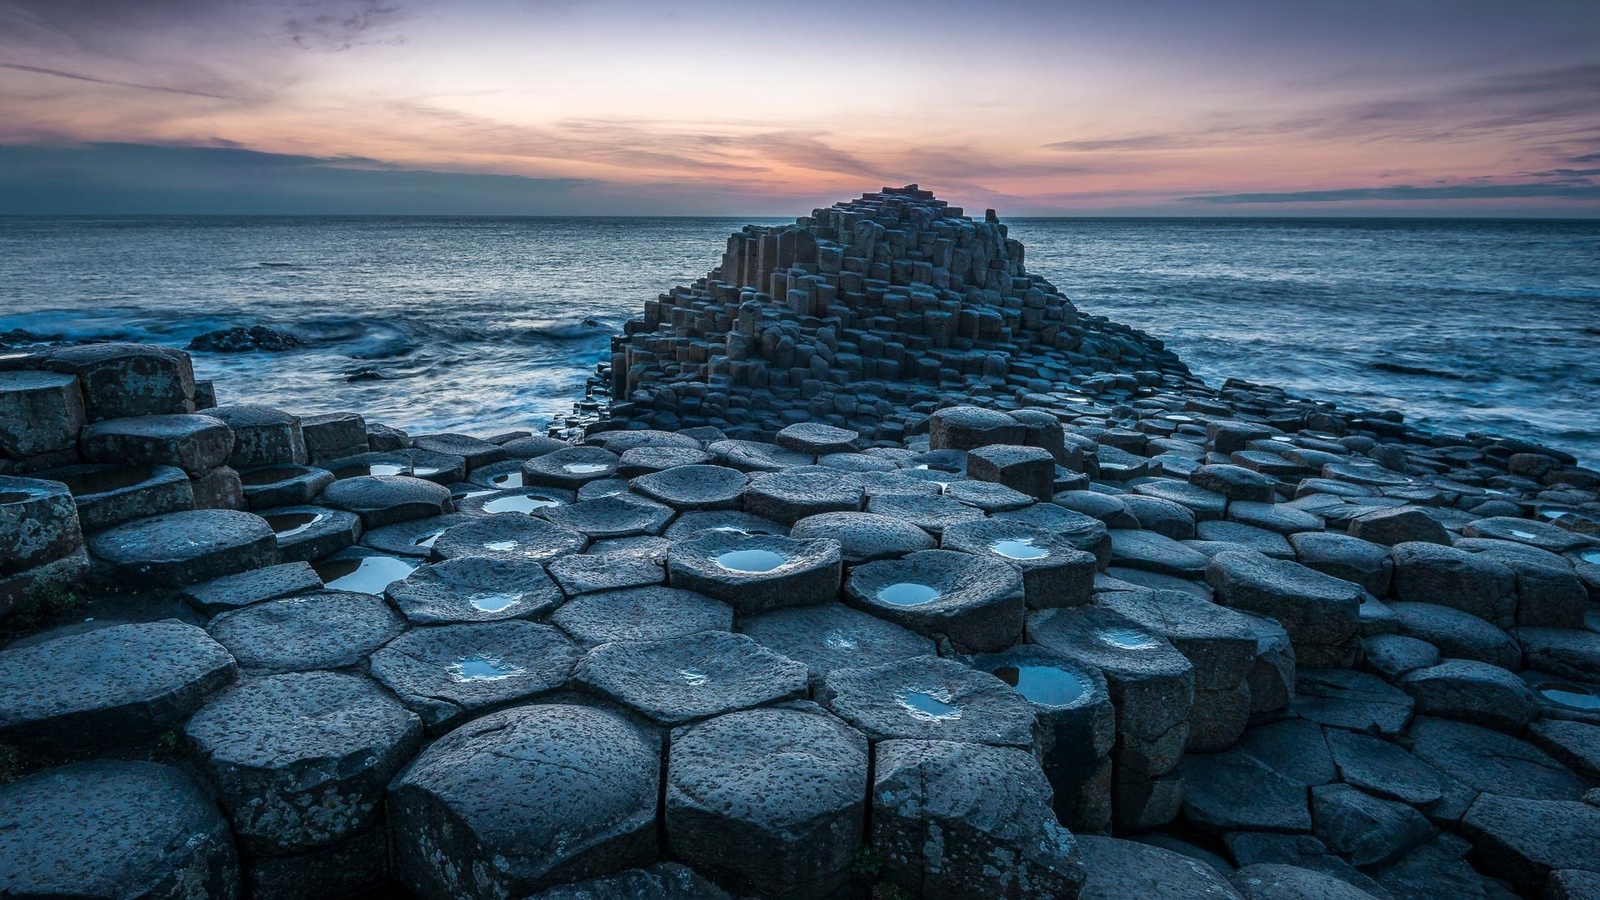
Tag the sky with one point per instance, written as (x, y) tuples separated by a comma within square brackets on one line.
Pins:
[(624, 107)]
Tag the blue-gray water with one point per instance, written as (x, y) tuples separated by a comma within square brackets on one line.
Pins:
[(480, 324)]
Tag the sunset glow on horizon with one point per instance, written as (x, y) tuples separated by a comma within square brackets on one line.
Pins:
[(1238, 108)]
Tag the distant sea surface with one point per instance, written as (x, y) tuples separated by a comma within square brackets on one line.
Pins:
[(489, 324)]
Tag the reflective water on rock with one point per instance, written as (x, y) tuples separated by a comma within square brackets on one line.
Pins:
[(928, 706), (479, 667), (427, 540), (1127, 639), (1590, 556), (500, 546), (290, 524), (520, 503), (1575, 696), (751, 560), (584, 468), (272, 475), (493, 602), (424, 471), (1044, 685), (1525, 535), (908, 593), (694, 677), (1020, 548), (359, 469), (507, 480), (367, 575)]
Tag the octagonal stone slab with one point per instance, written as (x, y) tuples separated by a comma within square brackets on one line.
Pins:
[(325, 630), (112, 829), (448, 673), (109, 687), (523, 799), (773, 799), (693, 677), (302, 760)]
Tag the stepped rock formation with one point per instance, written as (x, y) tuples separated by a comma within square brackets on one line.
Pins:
[(863, 315)]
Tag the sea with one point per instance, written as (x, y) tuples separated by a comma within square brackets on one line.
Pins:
[(484, 325)]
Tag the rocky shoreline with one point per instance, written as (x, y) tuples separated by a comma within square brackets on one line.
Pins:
[(871, 568)]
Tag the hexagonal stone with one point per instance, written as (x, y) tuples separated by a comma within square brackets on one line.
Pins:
[(1154, 552), (449, 673), (1367, 830), (1456, 633), (794, 494), (1398, 525), (1470, 582), (623, 441), (127, 683), (474, 589), (412, 538), (698, 487), (1472, 691), (932, 514), (570, 468), (689, 524), (1124, 870), (262, 436), (268, 486), (510, 538), (772, 799), (1217, 641), (38, 523), (1353, 700), (110, 828), (183, 548), (641, 614), (436, 468), (40, 412), (969, 821), (1562, 651), (622, 515), (756, 573), (1151, 683), (386, 499), (233, 591), (928, 698), (753, 456), (644, 460), (816, 438), (311, 533), (527, 501), (1083, 532), (364, 571), (1235, 792), (967, 427), (1320, 612), (834, 636), (681, 679), (1276, 881), (1342, 556), (1054, 572), (334, 435), (975, 602), (1525, 840), (302, 760), (1384, 769), (121, 380), (585, 573), (864, 537), (193, 443), (1526, 531), (108, 495), (523, 799), (991, 498), (325, 630), (476, 451), (1492, 762), (1206, 506)]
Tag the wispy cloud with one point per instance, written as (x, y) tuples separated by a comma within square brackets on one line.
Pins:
[(1406, 192), (338, 25), (76, 76)]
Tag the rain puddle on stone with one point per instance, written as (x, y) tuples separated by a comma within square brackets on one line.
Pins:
[(270, 476), (1590, 556), (290, 524), (521, 503), (908, 593), (481, 668), (425, 471), (427, 540), (1574, 696), (1021, 548), (751, 560), (694, 677), (1525, 535), (471, 494), (494, 602), (367, 575), (584, 468), (500, 546), (928, 706), (1127, 639), (1044, 685), (507, 480), (838, 640)]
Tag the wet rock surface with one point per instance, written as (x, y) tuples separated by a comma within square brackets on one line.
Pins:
[(1295, 650)]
